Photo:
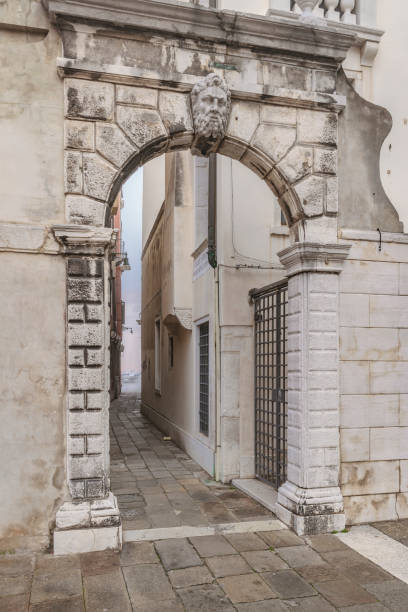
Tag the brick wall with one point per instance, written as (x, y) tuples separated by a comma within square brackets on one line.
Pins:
[(374, 380)]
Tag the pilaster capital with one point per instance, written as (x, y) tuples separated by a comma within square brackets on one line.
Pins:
[(84, 239), (314, 257)]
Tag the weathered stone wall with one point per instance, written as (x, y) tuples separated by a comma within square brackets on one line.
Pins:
[(373, 378), (32, 283)]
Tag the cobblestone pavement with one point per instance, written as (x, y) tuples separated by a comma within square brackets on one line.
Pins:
[(274, 571)]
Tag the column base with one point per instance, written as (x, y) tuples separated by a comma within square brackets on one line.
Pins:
[(311, 511), (88, 526)]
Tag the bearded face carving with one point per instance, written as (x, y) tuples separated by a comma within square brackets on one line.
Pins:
[(211, 102)]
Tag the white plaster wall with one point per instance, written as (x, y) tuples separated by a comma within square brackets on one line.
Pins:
[(32, 285), (390, 89), (153, 193), (373, 382), (32, 383)]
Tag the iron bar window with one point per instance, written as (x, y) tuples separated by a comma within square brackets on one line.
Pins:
[(204, 377)]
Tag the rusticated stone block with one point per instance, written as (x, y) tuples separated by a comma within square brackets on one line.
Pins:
[(325, 161), (76, 357), (73, 172), (112, 144), (93, 312), (317, 127), (141, 125), (79, 135), (87, 467), (85, 211), (94, 357), (311, 193), (332, 195), (76, 312), (271, 113), (325, 81), (77, 489), (95, 487), (76, 445), (84, 423), (85, 290), (175, 112), (297, 163), (76, 401), (98, 176), (244, 119), (85, 266), (88, 99), (274, 140), (89, 334), (95, 401), (138, 96), (85, 378), (94, 445)]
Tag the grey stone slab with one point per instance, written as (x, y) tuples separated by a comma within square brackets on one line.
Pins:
[(343, 593), (211, 546), (190, 576), (16, 566), (56, 586), (243, 542), (271, 605), (393, 594), (319, 573), (299, 556), (377, 607), (102, 562), (288, 585), (14, 603), (344, 558), (279, 539), (310, 604), (230, 565), (325, 543), (51, 563), (106, 592), (217, 513), (75, 604), (246, 588), (15, 585), (147, 584), (365, 573), (264, 561), (177, 554), (161, 606), (138, 553), (205, 598)]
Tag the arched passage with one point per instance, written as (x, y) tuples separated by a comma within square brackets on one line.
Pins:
[(111, 129)]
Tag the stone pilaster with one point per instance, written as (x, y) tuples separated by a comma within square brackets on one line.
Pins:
[(90, 520), (310, 500)]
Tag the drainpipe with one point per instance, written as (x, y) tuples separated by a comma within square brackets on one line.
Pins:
[(212, 259)]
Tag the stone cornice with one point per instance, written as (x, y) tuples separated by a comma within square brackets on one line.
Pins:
[(314, 257), (84, 239), (167, 17)]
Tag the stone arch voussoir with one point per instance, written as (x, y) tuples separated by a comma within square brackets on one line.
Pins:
[(112, 129)]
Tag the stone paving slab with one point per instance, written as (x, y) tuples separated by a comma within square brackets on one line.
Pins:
[(243, 571)]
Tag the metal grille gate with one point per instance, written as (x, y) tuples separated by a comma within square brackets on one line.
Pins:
[(204, 378), (271, 383)]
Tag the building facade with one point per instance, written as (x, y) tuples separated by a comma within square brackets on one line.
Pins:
[(85, 108)]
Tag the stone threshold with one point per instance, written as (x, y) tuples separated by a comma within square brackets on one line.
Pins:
[(188, 531), (261, 492)]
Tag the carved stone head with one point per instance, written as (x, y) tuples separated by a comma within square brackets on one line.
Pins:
[(211, 102)]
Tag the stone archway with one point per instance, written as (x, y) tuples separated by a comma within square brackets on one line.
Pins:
[(115, 122)]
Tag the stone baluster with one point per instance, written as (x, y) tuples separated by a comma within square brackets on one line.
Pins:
[(346, 7), (330, 10)]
